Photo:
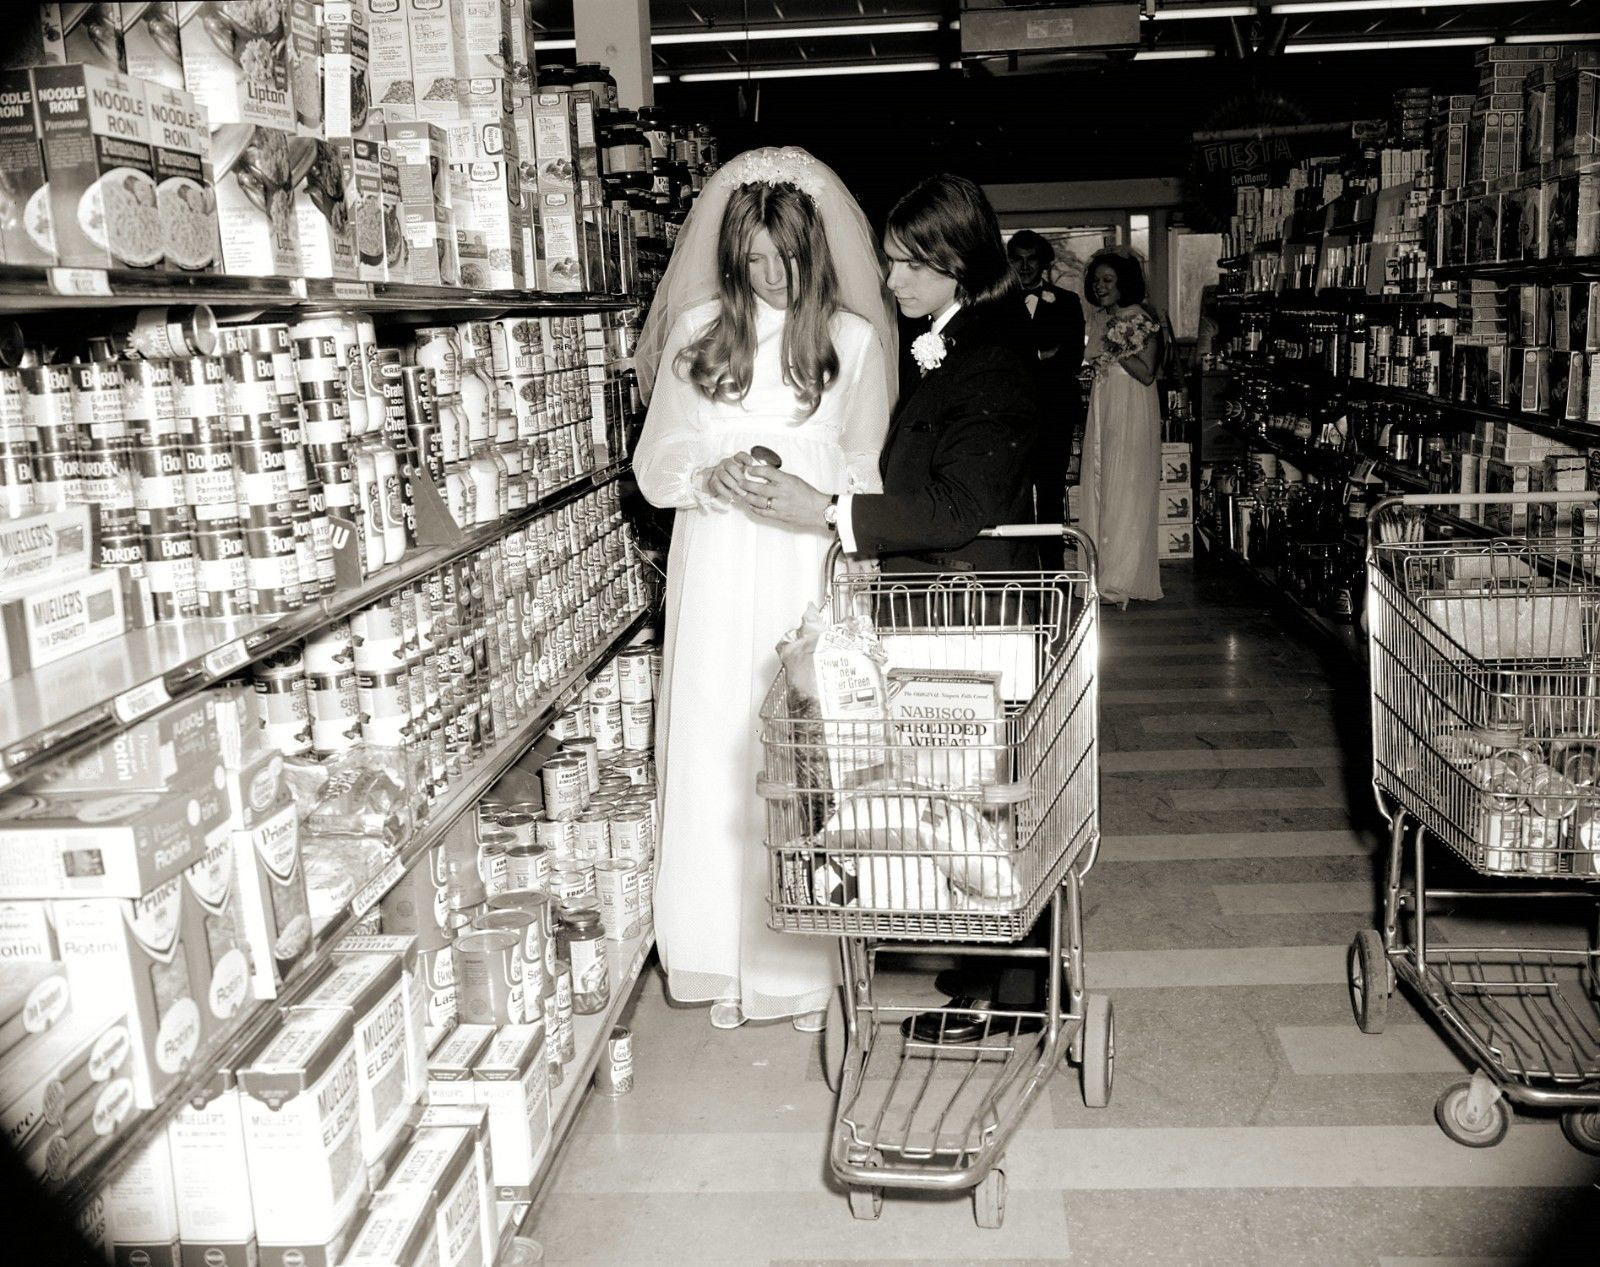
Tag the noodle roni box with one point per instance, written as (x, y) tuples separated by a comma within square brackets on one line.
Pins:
[(180, 149), (130, 955), (300, 1102), (26, 234), (119, 845), (370, 991), (94, 129), (211, 1178)]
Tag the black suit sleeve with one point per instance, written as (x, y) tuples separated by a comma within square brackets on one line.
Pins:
[(978, 450), (1071, 354)]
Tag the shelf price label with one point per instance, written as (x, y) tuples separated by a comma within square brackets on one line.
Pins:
[(134, 703), (80, 281), (352, 290), (225, 659), (371, 893)]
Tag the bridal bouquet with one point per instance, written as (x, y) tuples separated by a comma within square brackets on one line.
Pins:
[(1126, 335)]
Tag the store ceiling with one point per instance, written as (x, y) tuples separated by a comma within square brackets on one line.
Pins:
[(727, 37)]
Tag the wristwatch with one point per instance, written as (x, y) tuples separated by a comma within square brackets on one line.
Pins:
[(830, 513)]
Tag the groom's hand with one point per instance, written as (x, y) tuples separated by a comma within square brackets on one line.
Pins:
[(725, 480), (776, 497)]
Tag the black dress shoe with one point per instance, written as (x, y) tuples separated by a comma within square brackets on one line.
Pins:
[(954, 982), (955, 1025)]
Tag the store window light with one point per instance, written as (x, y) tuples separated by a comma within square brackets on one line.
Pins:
[(1139, 234)]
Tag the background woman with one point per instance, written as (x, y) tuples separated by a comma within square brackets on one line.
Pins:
[(1122, 437), (770, 329)]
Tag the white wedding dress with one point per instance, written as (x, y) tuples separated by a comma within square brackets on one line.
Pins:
[(735, 586)]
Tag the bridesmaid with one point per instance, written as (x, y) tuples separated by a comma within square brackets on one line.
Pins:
[(1122, 438)]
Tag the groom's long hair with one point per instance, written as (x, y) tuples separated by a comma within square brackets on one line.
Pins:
[(721, 362)]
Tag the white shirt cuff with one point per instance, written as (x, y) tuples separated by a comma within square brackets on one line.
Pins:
[(847, 532)]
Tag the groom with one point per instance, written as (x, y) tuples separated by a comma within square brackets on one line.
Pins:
[(957, 459)]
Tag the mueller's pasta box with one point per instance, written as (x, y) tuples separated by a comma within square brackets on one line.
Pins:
[(54, 619), (948, 726), (402, 948), (272, 890), (130, 955), (44, 545), (512, 1081), (95, 845), (26, 235), (219, 957), (157, 754), (299, 1097), (400, 1228), (216, 1224), (442, 1162), (236, 61), (94, 128), (180, 148), (54, 1071), (474, 1119), (451, 1064), (370, 990), (142, 1209)]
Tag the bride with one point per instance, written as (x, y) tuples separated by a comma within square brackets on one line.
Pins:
[(771, 329)]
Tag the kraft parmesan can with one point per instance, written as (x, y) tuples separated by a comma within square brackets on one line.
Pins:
[(485, 966), (613, 1076)]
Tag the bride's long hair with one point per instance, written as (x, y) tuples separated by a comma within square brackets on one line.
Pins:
[(721, 361)]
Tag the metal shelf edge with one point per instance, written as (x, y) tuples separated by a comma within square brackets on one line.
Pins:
[(489, 767), (98, 722)]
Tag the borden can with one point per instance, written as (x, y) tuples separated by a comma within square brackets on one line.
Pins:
[(613, 1076), (485, 972), (524, 925)]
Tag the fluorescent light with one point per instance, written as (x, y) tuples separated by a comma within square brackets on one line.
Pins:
[(806, 72), (1171, 54), (1204, 11), (1364, 6), (1552, 39), (1371, 46), (738, 34), (661, 79), (538, 44)]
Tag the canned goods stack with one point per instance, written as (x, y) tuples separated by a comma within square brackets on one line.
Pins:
[(459, 658)]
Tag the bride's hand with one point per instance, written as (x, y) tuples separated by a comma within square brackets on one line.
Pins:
[(725, 481), (776, 497)]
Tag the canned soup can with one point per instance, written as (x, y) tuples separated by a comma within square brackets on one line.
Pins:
[(530, 955), (485, 973), (613, 1076)]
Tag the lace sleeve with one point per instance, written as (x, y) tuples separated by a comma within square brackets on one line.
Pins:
[(674, 450), (864, 381)]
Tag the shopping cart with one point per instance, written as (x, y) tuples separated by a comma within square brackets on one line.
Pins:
[(1485, 655), (963, 844)]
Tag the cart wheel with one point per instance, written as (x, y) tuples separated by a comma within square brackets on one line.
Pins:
[(1369, 981), (1099, 1050), (989, 1199), (866, 1203), (1455, 1116), (1582, 1129), (835, 1038)]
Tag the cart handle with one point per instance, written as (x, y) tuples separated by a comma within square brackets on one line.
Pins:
[(1440, 500), (1068, 534)]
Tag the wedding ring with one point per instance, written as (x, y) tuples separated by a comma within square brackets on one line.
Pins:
[(769, 503)]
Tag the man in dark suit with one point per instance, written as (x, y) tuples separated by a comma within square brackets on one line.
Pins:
[(957, 459), (1056, 329)]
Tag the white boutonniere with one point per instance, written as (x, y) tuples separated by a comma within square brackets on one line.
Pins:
[(1047, 296), (929, 351)]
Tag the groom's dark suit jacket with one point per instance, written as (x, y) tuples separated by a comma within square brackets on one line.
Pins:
[(959, 450)]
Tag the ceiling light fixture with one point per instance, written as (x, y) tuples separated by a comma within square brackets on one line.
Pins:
[(738, 34), (1367, 6), (807, 72), (1171, 54), (1553, 39), (556, 44), (1373, 46), (1204, 11)]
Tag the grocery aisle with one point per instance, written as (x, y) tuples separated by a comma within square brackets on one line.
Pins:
[(1251, 1120)]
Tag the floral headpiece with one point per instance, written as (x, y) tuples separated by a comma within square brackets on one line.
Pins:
[(787, 166)]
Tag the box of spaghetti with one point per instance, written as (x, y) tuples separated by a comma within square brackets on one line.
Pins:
[(56, 1078), (300, 1099), (130, 955), (400, 1230), (442, 1162)]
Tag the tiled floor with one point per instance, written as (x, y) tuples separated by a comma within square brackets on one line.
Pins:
[(1251, 1121)]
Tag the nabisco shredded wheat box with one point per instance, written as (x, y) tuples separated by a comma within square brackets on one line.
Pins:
[(300, 1097), (948, 725)]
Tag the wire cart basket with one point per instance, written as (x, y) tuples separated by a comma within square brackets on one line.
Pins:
[(1485, 659), (947, 834)]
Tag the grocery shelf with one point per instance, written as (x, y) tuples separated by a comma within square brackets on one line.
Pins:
[(26, 288), (1572, 268), (624, 961), (52, 712), (264, 1015), (1346, 639), (1337, 299)]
